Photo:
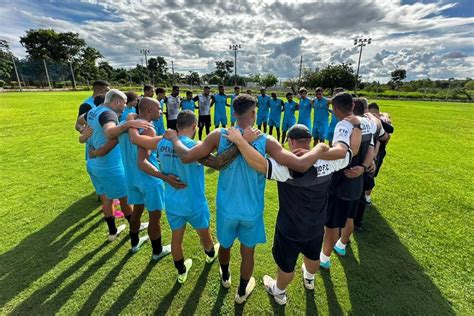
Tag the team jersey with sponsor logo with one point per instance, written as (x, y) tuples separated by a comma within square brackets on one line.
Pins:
[(240, 189), (204, 103), (172, 107)]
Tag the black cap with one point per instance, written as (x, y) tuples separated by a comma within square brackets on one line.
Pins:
[(298, 131)]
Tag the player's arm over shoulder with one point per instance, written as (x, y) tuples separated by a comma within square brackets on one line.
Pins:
[(200, 151), (277, 172)]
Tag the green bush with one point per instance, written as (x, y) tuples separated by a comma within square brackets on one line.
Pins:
[(2, 83)]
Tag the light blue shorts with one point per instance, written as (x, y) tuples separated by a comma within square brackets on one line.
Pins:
[(249, 233), (273, 121), (287, 124), (306, 122), (113, 186), (152, 196), (262, 119), (198, 220), (320, 130), (220, 120)]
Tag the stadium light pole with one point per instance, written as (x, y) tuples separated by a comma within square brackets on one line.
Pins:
[(235, 48), (145, 51), (361, 42)]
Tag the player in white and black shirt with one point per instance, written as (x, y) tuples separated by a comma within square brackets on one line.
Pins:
[(204, 107), (172, 102), (347, 185), (302, 207)]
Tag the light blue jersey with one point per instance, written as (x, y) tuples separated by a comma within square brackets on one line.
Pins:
[(220, 112), (126, 112), (232, 98), (289, 115), (188, 105), (111, 163), (321, 110), (263, 105), (191, 199), (305, 113), (90, 101), (158, 124), (240, 190), (275, 112)]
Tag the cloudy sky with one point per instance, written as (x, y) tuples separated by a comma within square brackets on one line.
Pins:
[(428, 38)]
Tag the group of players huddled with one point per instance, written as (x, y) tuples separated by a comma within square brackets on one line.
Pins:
[(323, 191)]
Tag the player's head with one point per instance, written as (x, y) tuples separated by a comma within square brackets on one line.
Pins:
[(289, 96), (374, 109), (249, 92), (187, 123), (262, 91), (236, 89), (149, 108), (100, 87), (206, 90), (189, 95), (342, 104), (319, 93), (360, 106), (221, 89), (299, 137), (303, 92), (175, 91), (116, 100), (148, 91), (274, 96), (338, 90), (160, 93), (98, 100), (132, 98), (244, 108)]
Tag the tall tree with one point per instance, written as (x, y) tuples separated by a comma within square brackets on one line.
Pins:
[(6, 64), (397, 76), (223, 69), (269, 80), (336, 76)]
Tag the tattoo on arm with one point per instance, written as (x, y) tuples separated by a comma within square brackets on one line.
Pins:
[(222, 160)]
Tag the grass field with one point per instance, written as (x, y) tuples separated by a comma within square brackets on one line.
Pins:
[(415, 256)]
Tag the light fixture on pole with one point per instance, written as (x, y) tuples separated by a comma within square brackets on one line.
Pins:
[(235, 48), (361, 42), (145, 51)]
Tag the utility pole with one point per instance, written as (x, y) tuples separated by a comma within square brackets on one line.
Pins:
[(235, 48), (361, 42), (16, 72), (47, 75), (145, 51), (72, 75), (172, 71), (301, 68)]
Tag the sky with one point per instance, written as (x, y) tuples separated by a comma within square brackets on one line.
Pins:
[(432, 39)]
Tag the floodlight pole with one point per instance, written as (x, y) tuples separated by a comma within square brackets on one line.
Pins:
[(361, 42), (235, 48), (72, 75), (16, 72), (47, 74), (146, 51)]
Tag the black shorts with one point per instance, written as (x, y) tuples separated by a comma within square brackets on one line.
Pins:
[(285, 251), (204, 120), (339, 211), (172, 124), (369, 181)]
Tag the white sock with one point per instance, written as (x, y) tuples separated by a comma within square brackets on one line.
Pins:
[(340, 245), (323, 257), (276, 290), (307, 275)]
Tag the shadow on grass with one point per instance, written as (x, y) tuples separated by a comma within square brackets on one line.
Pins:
[(165, 303), (221, 295), (41, 251), (334, 307), (387, 279), (189, 307)]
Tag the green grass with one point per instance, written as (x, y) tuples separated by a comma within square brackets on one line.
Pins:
[(415, 256)]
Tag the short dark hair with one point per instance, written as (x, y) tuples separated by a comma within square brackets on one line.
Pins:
[(339, 89), (206, 87), (374, 106), (131, 96), (359, 107), (288, 94), (175, 88), (299, 132), (343, 101), (243, 103), (220, 86), (160, 90), (185, 119), (147, 87), (189, 92), (273, 94), (100, 83), (303, 90), (98, 100), (236, 88), (318, 89)]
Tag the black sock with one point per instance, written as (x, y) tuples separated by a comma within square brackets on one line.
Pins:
[(134, 239), (111, 224), (225, 271), (156, 245), (211, 253), (128, 217), (243, 286), (180, 266)]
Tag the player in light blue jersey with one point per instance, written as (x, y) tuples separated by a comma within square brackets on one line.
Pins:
[(159, 124), (132, 101), (188, 103), (240, 191), (289, 119), (321, 116), (99, 88), (220, 111), (276, 107), (107, 172), (232, 97), (305, 108), (263, 104)]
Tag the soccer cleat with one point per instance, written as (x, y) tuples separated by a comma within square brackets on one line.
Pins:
[(269, 284), (340, 251), (166, 250), (140, 243), (188, 263), (308, 283), (325, 265), (248, 290), (143, 226), (225, 283), (368, 199), (120, 229), (216, 253)]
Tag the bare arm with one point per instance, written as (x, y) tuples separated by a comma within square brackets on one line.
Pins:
[(286, 158), (147, 142), (221, 160), (250, 154), (112, 130), (199, 151), (80, 123), (104, 150), (86, 133)]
